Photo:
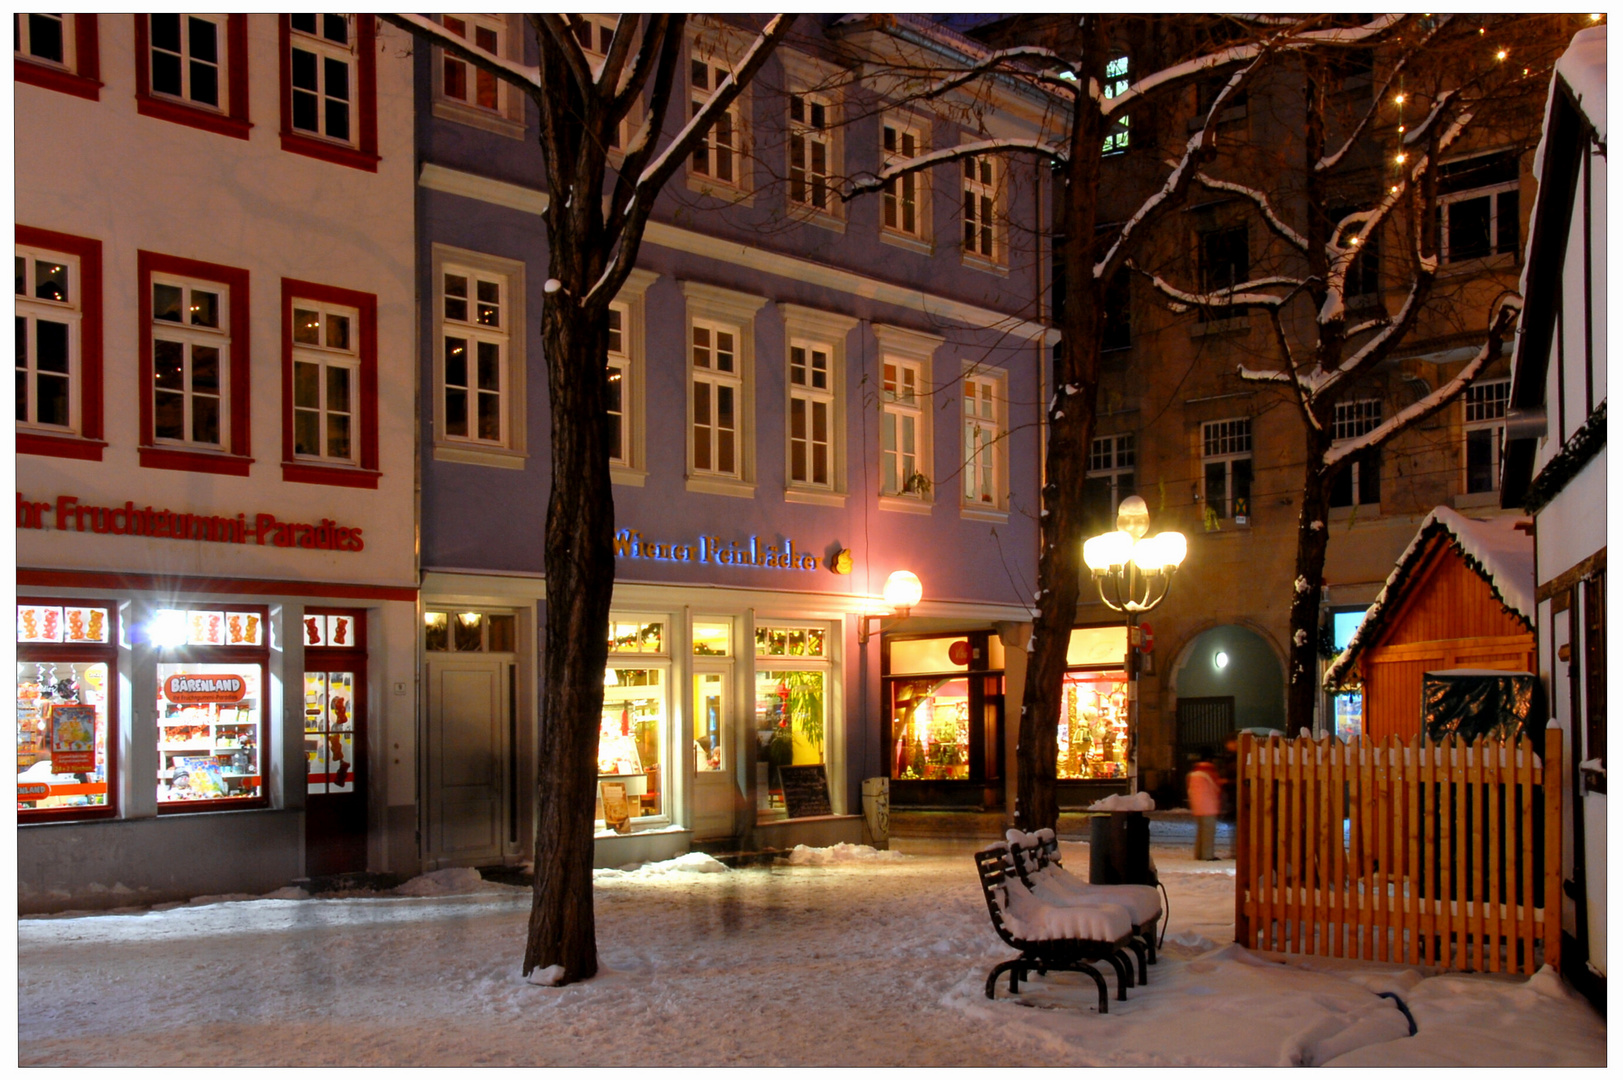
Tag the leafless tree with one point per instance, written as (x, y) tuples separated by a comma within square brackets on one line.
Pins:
[(595, 218), (1460, 82), (1073, 68)]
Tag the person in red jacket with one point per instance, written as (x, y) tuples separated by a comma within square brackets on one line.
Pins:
[(1205, 800)]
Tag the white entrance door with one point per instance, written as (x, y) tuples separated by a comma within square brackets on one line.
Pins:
[(714, 787), (469, 702)]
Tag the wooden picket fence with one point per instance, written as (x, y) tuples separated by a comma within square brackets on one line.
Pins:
[(1446, 854)]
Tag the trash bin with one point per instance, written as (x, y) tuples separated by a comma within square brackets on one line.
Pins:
[(1119, 849)]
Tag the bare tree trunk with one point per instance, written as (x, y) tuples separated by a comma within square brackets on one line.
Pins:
[(580, 587), (1312, 544), (1070, 433)]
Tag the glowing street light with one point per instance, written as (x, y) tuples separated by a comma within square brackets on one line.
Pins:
[(903, 591), (1133, 573)]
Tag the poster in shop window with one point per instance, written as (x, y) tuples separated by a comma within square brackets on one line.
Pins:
[(73, 739), (616, 808)]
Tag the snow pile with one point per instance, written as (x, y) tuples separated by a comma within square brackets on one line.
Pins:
[(840, 853), (694, 862), (1140, 801), (450, 882), (1031, 919), (547, 976)]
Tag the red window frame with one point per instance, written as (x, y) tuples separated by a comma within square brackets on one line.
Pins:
[(366, 411), (234, 121), (88, 444), (241, 656), (85, 78), (364, 155), (234, 461), (96, 654)]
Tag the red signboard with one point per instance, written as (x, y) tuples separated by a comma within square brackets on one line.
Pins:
[(205, 689), (958, 653)]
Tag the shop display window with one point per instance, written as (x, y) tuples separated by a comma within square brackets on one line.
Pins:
[(210, 732), (636, 637), (329, 732), (790, 728), (709, 753), (1093, 726), (712, 639), (929, 728), (66, 666), (223, 629), (631, 739), (1349, 715), (791, 641)]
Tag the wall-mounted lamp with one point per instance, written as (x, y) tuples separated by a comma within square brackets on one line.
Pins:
[(1220, 660), (167, 630), (903, 590)]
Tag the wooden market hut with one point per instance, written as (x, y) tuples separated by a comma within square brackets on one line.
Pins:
[(1461, 596)]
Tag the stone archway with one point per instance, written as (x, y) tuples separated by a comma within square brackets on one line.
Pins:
[(1228, 667)]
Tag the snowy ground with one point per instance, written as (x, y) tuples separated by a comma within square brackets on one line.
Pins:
[(847, 958)]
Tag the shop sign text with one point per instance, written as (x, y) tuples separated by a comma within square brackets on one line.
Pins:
[(205, 689), (68, 514), (630, 544)]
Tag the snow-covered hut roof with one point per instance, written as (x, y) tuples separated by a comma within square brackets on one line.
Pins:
[(1499, 552)]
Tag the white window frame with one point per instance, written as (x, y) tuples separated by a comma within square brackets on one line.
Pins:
[(1225, 442), (1491, 192), (912, 351), (708, 335), (812, 330), (69, 312), (191, 337), (719, 49), (1483, 406), (326, 49), (630, 468), (1355, 418), (981, 209), (324, 358), (507, 118), (898, 128), (717, 308), (508, 451), (22, 49), (222, 64), (806, 136), (985, 447), (1110, 458), (1118, 80)]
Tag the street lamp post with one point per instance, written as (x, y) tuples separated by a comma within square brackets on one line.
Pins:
[(1133, 573)]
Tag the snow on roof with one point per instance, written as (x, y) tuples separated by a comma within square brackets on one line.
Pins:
[(1583, 68), (1494, 548)]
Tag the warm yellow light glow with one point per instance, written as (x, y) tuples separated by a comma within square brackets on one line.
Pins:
[(1394, 189), (1107, 550), (469, 618), (1147, 554), (1597, 17), (903, 590), (1133, 516), (1501, 54), (434, 618), (1352, 240), (1402, 128), (1174, 546), (1401, 158), (1399, 99)]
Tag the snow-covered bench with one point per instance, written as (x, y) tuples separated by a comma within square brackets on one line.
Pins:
[(1037, 862), (1052, 937)]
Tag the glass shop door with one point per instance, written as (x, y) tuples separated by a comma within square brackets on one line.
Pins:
[(335, 763)]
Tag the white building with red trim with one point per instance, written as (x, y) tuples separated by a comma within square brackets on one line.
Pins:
[(216, 511)]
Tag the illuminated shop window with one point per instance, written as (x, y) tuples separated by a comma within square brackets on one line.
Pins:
[(630, 745), (929, 728), (65, 664), (1093, 726), (211, 732)]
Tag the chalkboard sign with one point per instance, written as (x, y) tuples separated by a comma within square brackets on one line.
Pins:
[(805, 790)]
